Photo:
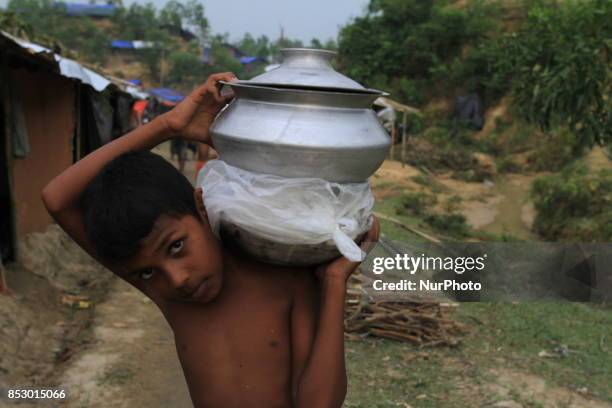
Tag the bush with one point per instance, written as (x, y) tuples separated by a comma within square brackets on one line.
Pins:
[(574, 205), (423, 205), (416, 203), (558, 63), (452, 223), (554, 152), (507, 165), (404, 46)]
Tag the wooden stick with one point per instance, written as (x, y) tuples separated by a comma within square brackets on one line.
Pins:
[(404, 136), (407, 227), (3, 287)]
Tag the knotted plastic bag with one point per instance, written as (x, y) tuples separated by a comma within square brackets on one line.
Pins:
[(290, 211)]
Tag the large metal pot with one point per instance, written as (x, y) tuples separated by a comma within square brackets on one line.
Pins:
[(302, 119)]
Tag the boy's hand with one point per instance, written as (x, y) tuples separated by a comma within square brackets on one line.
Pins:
[(341, 268), (191, 118)]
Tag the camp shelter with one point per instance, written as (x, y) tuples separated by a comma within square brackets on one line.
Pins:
[(387, 109), (53, 111), (166, 96), (89, 9)]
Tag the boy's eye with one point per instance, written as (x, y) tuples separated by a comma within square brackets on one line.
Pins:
[(146, 274), (176, 246)]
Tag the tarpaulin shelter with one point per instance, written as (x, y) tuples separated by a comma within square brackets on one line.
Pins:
[(388, 116), (251, 60), (122, 44), (87, 9), (132, 45), (53, 111), (166, 95)]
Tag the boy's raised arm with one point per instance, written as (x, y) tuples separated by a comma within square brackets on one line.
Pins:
[(319, 373), (191, 119)]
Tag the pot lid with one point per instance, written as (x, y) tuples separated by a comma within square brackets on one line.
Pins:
[(308, 69)]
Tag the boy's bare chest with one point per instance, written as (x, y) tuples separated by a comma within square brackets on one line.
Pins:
[(241, 343), (248, 321)]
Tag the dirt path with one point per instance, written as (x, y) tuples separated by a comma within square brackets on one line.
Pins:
[(502, 207), (513, 211), (516, 389), (131, 362)]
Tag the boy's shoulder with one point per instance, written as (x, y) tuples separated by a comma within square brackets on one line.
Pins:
[(280, 276)]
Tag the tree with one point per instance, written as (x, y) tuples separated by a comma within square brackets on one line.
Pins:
[(559, 65), (171, 16), (194, 16), (138, 22), (186, 70), (259, 47)]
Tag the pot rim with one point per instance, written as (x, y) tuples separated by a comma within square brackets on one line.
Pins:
[(304, 88), (307, 97)]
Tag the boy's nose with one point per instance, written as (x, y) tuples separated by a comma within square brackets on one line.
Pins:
[(178, 278)]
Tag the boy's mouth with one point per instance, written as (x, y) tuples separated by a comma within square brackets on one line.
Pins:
[(199, 290)]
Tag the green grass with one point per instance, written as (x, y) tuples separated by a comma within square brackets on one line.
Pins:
[(430, 183), (526, 329), (381, 374), (384, 373)]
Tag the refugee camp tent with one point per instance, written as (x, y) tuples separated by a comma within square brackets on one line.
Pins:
[(132, 45), (387, 115), (53, 111), (167, 96), (87, 9)]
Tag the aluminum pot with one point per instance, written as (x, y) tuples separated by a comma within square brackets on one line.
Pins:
[(290, 127), (307, 68), (278, 253)]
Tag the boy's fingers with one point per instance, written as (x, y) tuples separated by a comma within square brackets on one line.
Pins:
[(222, 76), (375, 230), (371, 238), (211, 85), (343, 265), (215, 92), (199, 199)]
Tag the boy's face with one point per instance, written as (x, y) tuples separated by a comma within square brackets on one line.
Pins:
[(179, 260)]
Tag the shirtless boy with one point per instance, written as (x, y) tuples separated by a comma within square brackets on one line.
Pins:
[(247, 334)]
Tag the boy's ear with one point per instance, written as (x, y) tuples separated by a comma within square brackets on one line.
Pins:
[(199, 201)]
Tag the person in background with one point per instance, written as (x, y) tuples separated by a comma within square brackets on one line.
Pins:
[(178, 147), (138, 110)]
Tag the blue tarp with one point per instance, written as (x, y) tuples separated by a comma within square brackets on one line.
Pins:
[(91, 10), (135, 81), (167, 94), (125, 45), (249, 60)]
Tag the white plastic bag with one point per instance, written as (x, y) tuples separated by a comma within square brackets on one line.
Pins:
[(287, 210)]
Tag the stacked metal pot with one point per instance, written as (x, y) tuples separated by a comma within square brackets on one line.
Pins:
[(301, 120)]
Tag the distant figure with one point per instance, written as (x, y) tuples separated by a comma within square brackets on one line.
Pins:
[(194, 149), (468, 110), (178, 147), (138, 110)]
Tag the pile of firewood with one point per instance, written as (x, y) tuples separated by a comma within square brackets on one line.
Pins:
[(420, 322)]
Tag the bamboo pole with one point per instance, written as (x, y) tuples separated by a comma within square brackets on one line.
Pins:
[(3, 287), (406, 227), (404, 136), (393, 137)]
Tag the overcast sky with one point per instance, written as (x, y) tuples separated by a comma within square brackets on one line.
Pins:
[(301, 19)]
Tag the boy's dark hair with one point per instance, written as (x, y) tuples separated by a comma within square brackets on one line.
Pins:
[(123, 202)]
